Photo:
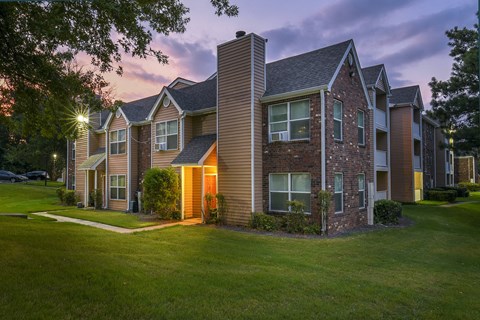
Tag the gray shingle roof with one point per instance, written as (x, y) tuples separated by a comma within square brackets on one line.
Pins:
[(202, 95), (370, 74), (104, 116), (307, 70), (195, 150), (404, 95), (92, 162), (138, 110)]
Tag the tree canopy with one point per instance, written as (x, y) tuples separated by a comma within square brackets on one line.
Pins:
[(455, 102), (39, 81)]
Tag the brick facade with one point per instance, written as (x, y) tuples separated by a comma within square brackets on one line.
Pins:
[(144, 152), (465, 170), (294, 156), (345, 156), (428, 146), (70, 166)]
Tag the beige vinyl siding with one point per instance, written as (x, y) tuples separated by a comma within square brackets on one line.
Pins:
[(187, 129), (211, 159), (196, 192), (204, 124), (163, 159), (188, 192), (259, 90), (117, 164), (101, 140), (234, 128), (401, 157), (80, 157)]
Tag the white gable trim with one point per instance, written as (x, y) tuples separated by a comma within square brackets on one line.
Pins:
[(156, 105), (351, 47), (385, 79), (106, 125), (207, 154), (181, 80)]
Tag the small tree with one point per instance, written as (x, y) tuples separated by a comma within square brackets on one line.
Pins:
[(324, 198), (161, 190)]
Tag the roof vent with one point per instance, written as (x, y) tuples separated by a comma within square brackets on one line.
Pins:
[(239, 34)]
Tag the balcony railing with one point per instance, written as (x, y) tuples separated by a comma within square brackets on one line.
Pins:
[(381, 195), (416, 130), (416, 162), (381, 158), (380, 118)]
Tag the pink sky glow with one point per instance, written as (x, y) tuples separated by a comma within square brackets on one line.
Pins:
[(407, 36)]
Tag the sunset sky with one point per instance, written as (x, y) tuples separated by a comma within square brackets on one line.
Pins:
[(408, 36)]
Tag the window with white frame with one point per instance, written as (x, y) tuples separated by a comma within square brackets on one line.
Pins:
[(74, 145), (361, 190), (289, 121), (337, 120), (117, 142), (286, 187), (73, 182), (338, 194), (117, 187), (166, 133), (361, 127)]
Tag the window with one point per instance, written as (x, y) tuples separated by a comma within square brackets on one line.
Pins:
[(73, 149), (117, 142), (292, 119), (117, 187), (361, 127), (338, 195), (167, 133), (361, 190), (73, 182), (288, 187), (337, 120)]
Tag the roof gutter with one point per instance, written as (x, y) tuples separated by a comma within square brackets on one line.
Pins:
[(293, 94)]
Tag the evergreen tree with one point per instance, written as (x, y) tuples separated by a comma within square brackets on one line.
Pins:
[(455, 102)]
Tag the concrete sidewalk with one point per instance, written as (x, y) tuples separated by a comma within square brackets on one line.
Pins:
[(103, 226)]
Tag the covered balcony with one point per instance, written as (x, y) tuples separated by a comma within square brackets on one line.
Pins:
[(381, 152)]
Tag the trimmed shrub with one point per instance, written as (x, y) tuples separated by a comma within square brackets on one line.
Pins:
[(443, 195), (176, 215), (387, 211), (312, 229), (161, 190), (461, 191), (61, 194), (470, 186), (70, 198), (221, 208), (262, 221), (97, 199)]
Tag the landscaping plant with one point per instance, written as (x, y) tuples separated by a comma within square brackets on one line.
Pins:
[(387, 211), (161, 190)]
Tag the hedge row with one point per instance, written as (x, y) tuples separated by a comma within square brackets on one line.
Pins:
[(441, 195), (470, 186)]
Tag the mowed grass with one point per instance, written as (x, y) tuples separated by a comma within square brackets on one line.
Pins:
[(66, 271), (25, 198), (113, 218)]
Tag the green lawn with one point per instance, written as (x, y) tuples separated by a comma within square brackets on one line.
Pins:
[(66, 271), (25, 198), (113, 218), (53, 184)]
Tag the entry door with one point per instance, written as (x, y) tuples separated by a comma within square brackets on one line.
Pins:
[(211, 187)]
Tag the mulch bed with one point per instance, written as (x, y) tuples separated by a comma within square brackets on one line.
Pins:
[(403, 223)]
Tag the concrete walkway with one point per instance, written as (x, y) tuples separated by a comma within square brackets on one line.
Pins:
[(457, 204), (103, 226)]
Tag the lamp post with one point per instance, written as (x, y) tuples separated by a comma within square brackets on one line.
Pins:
[(54, 171)]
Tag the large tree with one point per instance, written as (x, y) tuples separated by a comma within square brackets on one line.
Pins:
[(39, 41), (455, 102)]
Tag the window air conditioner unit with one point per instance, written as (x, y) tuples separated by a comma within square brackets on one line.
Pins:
[(279, 136), (161, 146)]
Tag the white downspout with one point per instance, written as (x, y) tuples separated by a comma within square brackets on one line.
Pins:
[(129, 162), (107, 178), (66, 176), (323, 139)]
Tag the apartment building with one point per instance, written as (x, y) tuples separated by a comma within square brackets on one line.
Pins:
[(261, 134)]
